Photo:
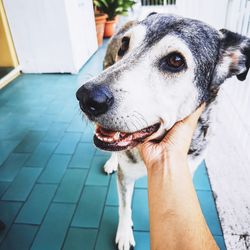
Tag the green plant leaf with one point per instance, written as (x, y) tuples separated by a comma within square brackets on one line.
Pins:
[(114, 7)]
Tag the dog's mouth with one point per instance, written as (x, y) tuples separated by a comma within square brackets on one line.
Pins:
[(117, 141)]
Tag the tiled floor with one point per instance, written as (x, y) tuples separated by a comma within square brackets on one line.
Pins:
[(54, 194)]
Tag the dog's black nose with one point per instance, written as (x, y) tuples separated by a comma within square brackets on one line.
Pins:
[(95, 100)]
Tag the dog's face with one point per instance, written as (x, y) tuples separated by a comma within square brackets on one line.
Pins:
[(166, 67)]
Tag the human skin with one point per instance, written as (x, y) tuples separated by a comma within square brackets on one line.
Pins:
[(176, 219)]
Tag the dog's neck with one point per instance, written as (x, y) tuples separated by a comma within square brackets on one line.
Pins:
[(201, 135)]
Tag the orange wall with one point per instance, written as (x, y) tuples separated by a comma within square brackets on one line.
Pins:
[(7, 52)]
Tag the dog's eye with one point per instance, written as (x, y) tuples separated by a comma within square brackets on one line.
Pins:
[(173, 62), (124, 46)]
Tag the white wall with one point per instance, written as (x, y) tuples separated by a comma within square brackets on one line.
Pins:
[(52, 36), (212, 12)]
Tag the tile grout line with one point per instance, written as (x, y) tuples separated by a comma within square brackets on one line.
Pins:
[(103, 209), (77, 203), (21, 207), (10, 227), (51, 202)]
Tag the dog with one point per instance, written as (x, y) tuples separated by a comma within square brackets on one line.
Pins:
[(163, 68)]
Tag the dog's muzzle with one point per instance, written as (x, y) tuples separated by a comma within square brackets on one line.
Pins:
[(96, 100)]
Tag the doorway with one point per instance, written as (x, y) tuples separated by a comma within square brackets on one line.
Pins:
[(8, 60)]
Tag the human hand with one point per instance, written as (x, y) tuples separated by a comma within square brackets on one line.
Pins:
[(175, 143)]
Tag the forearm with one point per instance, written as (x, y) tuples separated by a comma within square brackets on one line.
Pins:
[(174, 208)]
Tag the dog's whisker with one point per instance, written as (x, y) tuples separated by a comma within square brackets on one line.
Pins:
[(127, 126), (138, 120), (136, 128), (142, 118)]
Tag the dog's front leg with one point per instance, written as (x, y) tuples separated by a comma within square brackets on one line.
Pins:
[(124, 236), (111, 165)]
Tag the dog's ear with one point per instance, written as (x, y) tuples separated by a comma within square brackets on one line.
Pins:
[(234, 57)]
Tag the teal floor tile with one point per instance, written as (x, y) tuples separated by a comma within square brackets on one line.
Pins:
[(8, 212), (55, 169), (68, 143), (6, 147), (142, 240), (66, 114), (142, 182), (78, 124), (12, 166), (88, 133), (200, 178), (103, 153), (3, 187), (44, 122), (37, 204), (71, 186), (41, 154), (30, 141), (55, 107), (106, 236), (112, 198), (80, 239), (20, 237), (55, 132), (90, 207), (13, 135), (209, 211), (22, 184), (96, 174), (83, 156), (140, 210), (54, 228)]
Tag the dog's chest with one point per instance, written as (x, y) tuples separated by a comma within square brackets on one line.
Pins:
[(131, 164)]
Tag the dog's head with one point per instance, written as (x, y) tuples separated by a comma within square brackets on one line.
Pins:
[(166, 67)]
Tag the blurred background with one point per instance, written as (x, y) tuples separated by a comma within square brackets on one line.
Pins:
[(47, 50)]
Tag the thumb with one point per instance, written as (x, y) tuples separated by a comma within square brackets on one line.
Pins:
[(192, 119)]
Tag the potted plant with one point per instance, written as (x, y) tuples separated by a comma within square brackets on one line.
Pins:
[(113, 8), (100, 20)]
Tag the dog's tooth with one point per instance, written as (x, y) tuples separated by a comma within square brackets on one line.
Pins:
[(117, 136), (130, 137), (99, 137)]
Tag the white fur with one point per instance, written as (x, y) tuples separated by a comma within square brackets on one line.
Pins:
[(111, 164)]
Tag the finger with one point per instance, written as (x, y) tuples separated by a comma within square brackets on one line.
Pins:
[(192, 119), (189, 122)]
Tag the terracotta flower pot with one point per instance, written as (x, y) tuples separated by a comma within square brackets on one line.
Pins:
[(110, 28), (100, 20)]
